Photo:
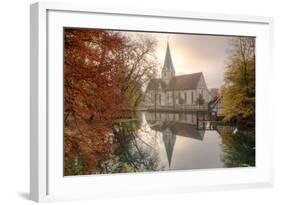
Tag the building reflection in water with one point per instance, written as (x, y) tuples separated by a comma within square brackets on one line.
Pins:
[(172, 125)]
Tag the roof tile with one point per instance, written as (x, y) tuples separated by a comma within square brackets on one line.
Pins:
[(180, 82)]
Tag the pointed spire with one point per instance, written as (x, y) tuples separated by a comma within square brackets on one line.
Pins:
[(168, 70), (168, 63)]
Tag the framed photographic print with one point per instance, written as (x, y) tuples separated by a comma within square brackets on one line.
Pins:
[(127, 102)]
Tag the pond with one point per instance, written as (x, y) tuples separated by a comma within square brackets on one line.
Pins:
[(172, 141)]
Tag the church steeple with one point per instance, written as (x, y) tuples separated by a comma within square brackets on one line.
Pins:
[(168, 70)]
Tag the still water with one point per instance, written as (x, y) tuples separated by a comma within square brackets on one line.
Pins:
[(178, 142), (171, 141)]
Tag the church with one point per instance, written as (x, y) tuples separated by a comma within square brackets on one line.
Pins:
[(173, 91)]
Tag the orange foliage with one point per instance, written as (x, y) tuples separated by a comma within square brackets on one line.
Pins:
[(93, 79)]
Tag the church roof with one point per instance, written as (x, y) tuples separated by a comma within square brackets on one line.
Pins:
[(184, 82), (180, 82)]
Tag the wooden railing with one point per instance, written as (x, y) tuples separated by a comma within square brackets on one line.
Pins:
[(178, 107)]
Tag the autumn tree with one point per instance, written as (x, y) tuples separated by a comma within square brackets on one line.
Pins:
[(92, 85), (239, 88), (103, 74)]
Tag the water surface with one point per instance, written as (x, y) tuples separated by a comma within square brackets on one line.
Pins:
[(172, 141)]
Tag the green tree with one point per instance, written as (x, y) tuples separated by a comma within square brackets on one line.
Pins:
[(239, 88)]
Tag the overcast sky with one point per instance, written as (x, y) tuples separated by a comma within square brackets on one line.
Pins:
[(195, 53)]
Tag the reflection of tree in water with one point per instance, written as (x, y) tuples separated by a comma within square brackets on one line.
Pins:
[(239, 148), (131, 153)]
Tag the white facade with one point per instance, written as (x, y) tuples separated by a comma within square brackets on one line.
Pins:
[(174, 91), (161, 97)]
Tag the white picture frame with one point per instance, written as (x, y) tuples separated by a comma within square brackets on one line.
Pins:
[(47, 182)]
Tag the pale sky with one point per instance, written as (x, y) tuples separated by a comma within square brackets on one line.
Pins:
[(195, 53)]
